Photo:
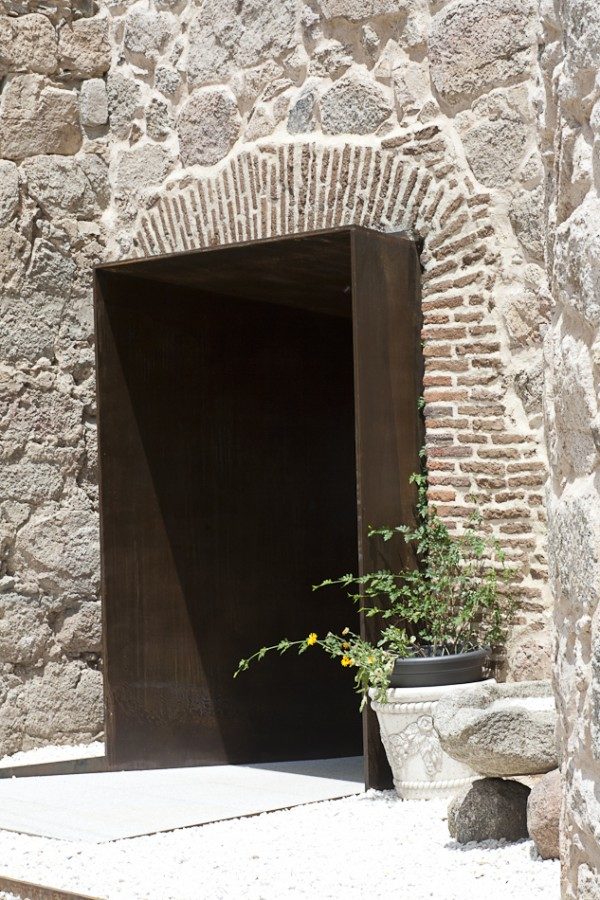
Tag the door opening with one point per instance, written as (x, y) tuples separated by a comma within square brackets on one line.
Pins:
[(257, 412)]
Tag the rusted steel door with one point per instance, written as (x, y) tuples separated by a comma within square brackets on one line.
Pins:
[(257, 410)]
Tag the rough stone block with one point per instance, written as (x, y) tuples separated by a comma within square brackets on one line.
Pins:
[(28, 44), (142, 167), (124, 96), (500, 729), (491, 809), (354, 105), (93, 103), (147, 32), (84, 48), (208, 127), (476, 45), (543, 814), (61, 187), (225, 36), (9, 191), (36, 118)]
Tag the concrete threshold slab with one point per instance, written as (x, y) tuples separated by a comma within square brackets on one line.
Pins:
[(109, 806)]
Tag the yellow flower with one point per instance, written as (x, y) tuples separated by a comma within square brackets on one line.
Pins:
[(311, 639), (346, 661), (346, 645), (370, 660)]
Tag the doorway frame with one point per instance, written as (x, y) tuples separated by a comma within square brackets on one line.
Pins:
[(388, 376)]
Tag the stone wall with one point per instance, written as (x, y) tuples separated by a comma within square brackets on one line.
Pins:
[(131, 129), (570, 130)]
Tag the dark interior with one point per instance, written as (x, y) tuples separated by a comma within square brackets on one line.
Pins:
[(233, 422), (257, 412)]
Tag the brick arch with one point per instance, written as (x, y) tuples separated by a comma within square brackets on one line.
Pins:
[(276, 189)]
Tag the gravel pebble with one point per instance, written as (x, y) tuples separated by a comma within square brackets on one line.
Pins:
[(372, 845)]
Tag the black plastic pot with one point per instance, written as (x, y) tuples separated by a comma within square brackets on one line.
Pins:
[(433, 671)]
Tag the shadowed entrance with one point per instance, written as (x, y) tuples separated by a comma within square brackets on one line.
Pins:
[(243, 393)]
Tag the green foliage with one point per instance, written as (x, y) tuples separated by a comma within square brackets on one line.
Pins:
[(456, 599)]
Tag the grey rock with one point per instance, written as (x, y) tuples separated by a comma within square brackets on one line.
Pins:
[(28, 44), (475, 45), (490, 809), (25, 635), (527, 218), (577, 260), (36, 118), (500, 729), (123, 102), (142, 167), (147, 32), (159, 119), (167, 80), (496, 141), (208, 127), (225, 36), (84, 48), (354, 105), (81, 629), (357, 10), (543, 815), (301, 118), (61, 186), (93, 103), (59, 551), (9, 191)]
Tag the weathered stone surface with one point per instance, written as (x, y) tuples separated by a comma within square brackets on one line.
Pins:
[(147, 32), (93, 103), (81, 630), (25, 635), (84, 49), (225, 36), (58, 550), (9, 191), (577, 261), (543, 814), (354, 105), (36, 118), (301, 118), (62, 704), (61, 187), (500, 729), (143, 167), (28, 44), (491, 809), (167, 80), (496, 141), (476, 45), (208, 127), (159, 119), (357, 10), (124, 98), (527, 219)]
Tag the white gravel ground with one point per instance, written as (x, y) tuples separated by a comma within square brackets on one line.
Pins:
[(371, 846), (52, 754)]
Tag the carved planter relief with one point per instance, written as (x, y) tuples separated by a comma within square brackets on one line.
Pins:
[(421, 769)]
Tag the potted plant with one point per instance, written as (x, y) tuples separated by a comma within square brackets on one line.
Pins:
[(439, 623)]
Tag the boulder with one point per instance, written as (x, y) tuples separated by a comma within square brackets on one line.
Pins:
[(500, 729), (490, 809), (543, 814)]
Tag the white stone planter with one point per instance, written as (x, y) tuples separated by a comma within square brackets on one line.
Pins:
[(421, 769)]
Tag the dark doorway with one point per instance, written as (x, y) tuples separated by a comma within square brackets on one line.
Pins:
[(257, 413)]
